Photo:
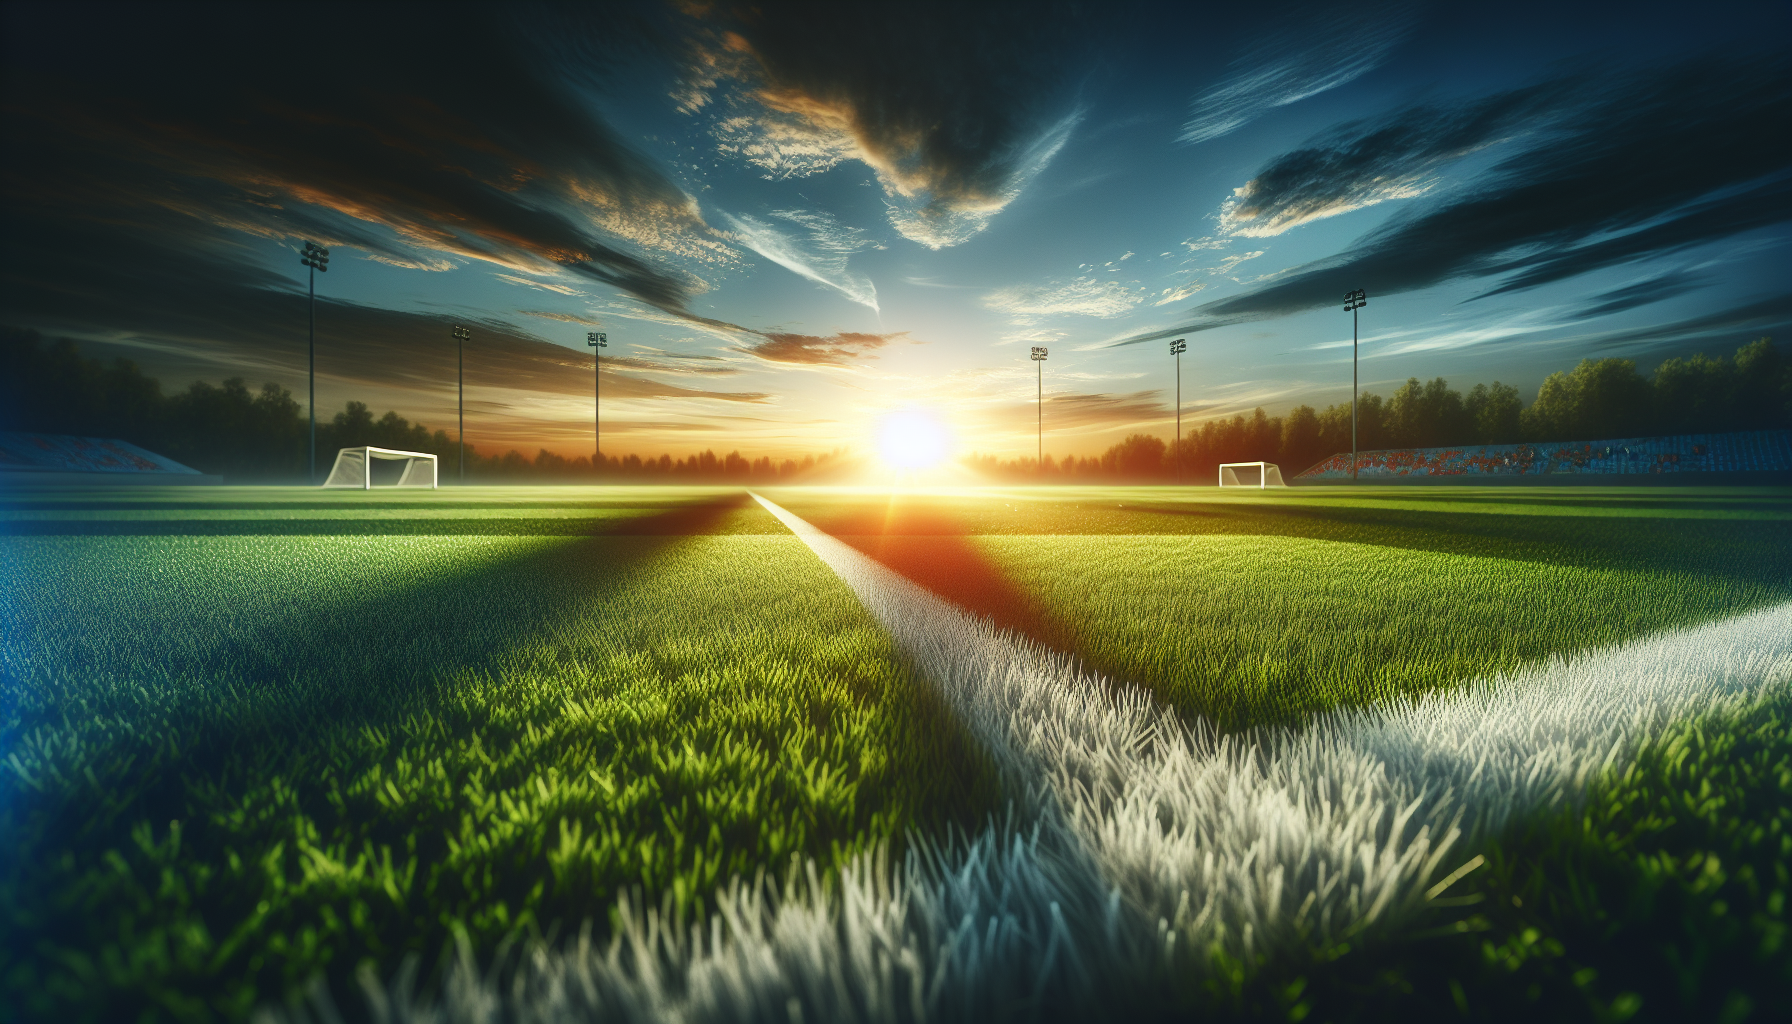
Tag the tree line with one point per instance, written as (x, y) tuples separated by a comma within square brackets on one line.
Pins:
[(1597, 400), (261, 436)]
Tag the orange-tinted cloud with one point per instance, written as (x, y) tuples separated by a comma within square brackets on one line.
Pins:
[(810, 350), (567, 318), (231, 122), (955, 107), (705, 366)]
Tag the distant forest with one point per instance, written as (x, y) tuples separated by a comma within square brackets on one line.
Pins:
[(249, 435), (1599, 399)]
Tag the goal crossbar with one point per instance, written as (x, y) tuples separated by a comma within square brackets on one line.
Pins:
[(1268, 474), (355, 468)]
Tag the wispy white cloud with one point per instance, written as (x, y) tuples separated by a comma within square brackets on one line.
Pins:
[(437, 264), (1085, 296), (1179, 293), (1227, 264), (1030, 336), (1246, 215), (929, 282), (1335, 47), (545, 286), (786, 144), (820, 255)]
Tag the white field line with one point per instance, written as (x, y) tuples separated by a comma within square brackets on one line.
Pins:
[(1313, 833), (1145, 844)]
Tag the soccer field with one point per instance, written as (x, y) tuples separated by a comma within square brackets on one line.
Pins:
[(259, 737)]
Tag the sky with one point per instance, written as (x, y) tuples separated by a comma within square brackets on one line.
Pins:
[(800, 223)]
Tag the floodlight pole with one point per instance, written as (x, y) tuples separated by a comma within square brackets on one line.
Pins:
[(597, 340), (317, 258), (461, 334), (1177, 347), (1039, 355), (1353, 301)]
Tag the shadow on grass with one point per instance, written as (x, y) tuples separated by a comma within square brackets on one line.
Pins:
[(1754, 551), (171, 505), (932, 542), (931, 546), (263, 744), (670, 520), (369, 660), (1655, 502)]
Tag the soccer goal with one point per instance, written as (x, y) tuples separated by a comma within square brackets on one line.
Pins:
[(1251, 474), (367, 467)]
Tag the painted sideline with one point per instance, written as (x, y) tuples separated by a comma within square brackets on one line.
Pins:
[(1300, 835), (1139, 845)]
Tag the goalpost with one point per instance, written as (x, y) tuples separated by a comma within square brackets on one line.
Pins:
[(1268, 475), (368, 467)]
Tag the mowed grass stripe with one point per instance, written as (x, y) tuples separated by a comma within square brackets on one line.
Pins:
[(1254, 608), (1245, 631), (1279, 844), (237, 763)]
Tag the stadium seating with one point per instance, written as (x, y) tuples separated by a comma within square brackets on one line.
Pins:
[(63, 459), (1744, 451)]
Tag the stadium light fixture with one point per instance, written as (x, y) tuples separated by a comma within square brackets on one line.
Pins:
[(317, 258), (1177, 347), (1039, 355), (461, 334), (1353, 301), (597, 340)]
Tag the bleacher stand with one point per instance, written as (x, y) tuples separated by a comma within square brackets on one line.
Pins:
[(1748, 451), (64, 460)]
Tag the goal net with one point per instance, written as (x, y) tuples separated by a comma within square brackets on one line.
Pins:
[(367, 467), (1251, 474)]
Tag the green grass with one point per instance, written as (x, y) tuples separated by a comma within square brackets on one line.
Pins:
[(1664, 899), (1249, 608), (238, 758), (250, 735)]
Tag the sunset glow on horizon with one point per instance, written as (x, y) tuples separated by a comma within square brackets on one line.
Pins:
[(913, 439), (789, 221)]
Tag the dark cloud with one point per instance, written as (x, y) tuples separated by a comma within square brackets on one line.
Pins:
[(955, 106), (1101, 411), (1312, 50), (812, 350), (418, 134), (1363, 163), (1742, 209), (1771, 316), (1655, 289), (1633, 166), (206, 315)]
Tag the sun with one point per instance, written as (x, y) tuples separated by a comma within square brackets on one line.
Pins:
[(912, 440)]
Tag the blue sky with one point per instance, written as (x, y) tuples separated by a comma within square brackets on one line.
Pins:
[(795, 221)]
